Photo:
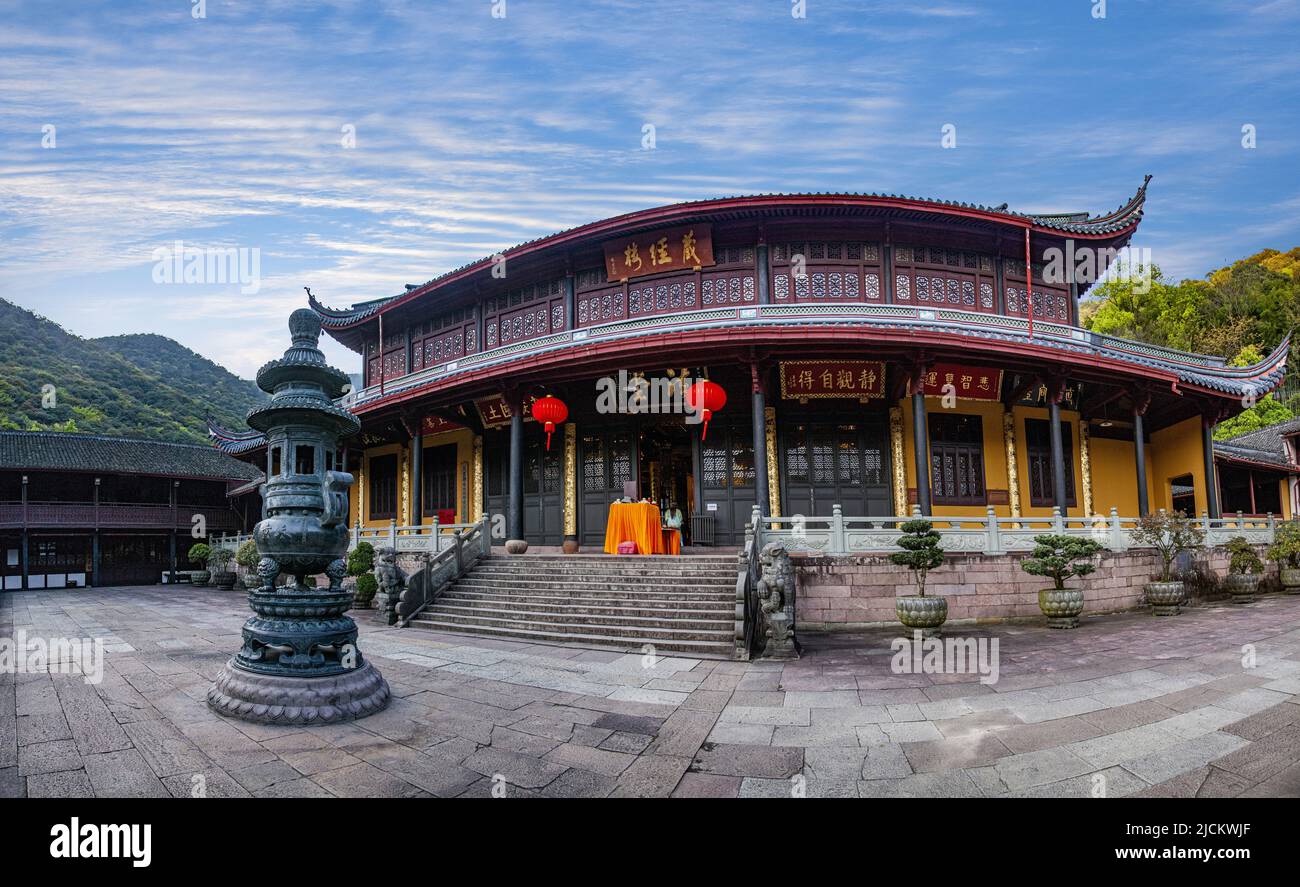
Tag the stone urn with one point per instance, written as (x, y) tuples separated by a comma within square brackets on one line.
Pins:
[(516, 546), (224, 580), (300, 663), (1242, 586), (1165, 598), (1061, 606), (1290, 579), (924, 612), (200, 577)]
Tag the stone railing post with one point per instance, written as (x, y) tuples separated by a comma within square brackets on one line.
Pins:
[(1241, 521), (993, 535), (1272, 527), (1058, 522), (460, 555), (485, 535), (1117, 541), (356, 533), (839, 543), (434, 538), (756, 521), (1205, 525), (392, 534)]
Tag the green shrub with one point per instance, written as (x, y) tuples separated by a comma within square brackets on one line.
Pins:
[(1168, 533), (1061, 558), (247, 556), (921, 552), (367, 585), (219, 558), (199, 553), (1286, 544), (1243, 558), (361, 560)]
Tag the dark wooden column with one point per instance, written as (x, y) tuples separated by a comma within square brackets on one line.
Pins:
[(24, 548), (760, 438), (1140, 403), (1055, 391), (1211, 480), (764, 274), (570, 309), (515, 507), (417, 475), (920, 440), (94, 541), (171, 537)]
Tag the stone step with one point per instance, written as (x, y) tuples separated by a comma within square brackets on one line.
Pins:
[(584, 607), (593, 600), (603, 584), (713, 649), (595, 571), (616, 558), (632, 633), (693, 624)]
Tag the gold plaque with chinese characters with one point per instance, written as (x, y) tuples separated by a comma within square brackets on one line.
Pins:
[(832, 378), (654, 252)]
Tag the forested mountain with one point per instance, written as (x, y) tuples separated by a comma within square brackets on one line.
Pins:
[(136, 386), (1240, 312)]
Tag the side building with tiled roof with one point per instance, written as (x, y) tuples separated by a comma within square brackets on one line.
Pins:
[(81, 509), (1259, 471)]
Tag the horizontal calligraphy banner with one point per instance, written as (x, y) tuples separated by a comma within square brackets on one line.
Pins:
[(654, 252), (832, 378)]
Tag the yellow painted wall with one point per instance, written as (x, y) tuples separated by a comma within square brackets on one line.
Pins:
[(1114, 477), (463, 439), (1176, 451)]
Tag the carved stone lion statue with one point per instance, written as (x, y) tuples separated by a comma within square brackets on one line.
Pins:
[(775, 591), (391, 581)]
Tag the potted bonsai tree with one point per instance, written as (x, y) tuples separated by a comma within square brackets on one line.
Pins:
[(1245, 569), (1168, 534), (921, 553), (247, 558), (222, 576), (198, 554), (1286, 551), (361, 563), (367, 585), (1061, 558)]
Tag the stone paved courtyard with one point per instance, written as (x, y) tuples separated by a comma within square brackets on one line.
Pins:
[(1156, 706)]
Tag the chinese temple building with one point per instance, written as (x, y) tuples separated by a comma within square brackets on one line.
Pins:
[(876, 353)]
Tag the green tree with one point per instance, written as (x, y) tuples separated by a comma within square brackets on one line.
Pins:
[(921, 551)]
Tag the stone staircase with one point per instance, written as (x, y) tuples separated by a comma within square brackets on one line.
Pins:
[(681, 604)]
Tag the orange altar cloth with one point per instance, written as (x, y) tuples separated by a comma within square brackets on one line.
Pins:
[(637, 522), (672, 541)]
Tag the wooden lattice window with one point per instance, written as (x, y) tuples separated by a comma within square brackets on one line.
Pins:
[(1038, 450), (383, 487), (957, 459)]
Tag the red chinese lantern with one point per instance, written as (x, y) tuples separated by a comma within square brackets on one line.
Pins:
[(550, 411), (706, 398)]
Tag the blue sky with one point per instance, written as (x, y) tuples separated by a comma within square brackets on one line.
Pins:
[(474, 133)]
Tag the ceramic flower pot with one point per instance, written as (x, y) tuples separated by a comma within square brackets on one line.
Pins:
[(923, 612), (1165, 598), (1290, 579), (224, 580), (200, 577), (1061, 606), (1242, 587)]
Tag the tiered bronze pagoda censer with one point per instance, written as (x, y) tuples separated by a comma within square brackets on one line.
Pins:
[(300, 663)]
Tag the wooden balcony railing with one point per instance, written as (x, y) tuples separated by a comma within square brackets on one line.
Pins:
[(112, 516)]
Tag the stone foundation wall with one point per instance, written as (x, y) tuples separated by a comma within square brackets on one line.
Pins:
[(842, 592)]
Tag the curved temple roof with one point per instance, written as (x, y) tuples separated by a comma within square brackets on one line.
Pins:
[(235, 442), (1120, 222)]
